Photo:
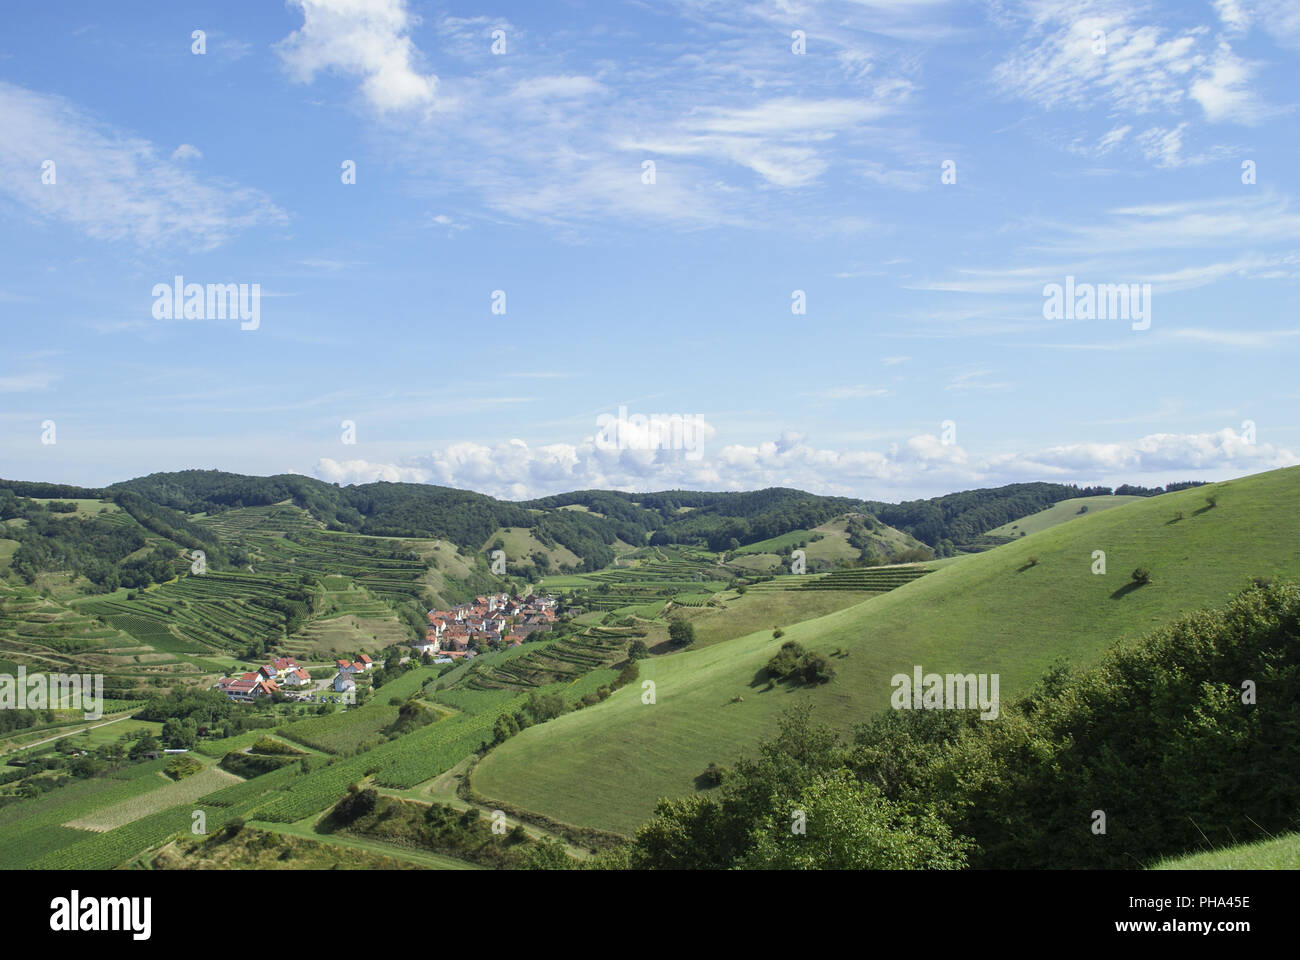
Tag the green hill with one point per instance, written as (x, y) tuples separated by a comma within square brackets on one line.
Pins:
[(1010, 611)]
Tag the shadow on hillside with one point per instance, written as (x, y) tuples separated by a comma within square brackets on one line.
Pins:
[(1027, 566), (1205, 509), (1126, 589)]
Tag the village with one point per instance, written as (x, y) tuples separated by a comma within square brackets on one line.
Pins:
[(492, 622), (488, 623)]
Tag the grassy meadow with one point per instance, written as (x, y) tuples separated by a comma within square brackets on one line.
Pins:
[(1009, 611)]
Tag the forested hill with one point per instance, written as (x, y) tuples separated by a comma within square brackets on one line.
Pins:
[(587, 522), (961, 517)]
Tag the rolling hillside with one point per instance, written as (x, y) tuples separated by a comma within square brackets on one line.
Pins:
[(1010, 611), (1060, 512)]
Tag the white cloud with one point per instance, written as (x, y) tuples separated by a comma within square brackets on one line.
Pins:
[(1163, 147), (366, 38), (1225, 92), (515, 470), (1112, 139), (187, 151), (541, 88), (1141, 69), (113, 186), (1082, 55)]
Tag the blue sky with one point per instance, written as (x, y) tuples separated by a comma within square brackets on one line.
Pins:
[(1103, 141)]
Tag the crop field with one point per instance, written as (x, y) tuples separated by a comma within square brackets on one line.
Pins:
[(30, 829), (166, 794), (346, 730), (400, 764), (102, 851)]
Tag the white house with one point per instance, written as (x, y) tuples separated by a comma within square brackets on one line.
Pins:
[(297, 678), (343, 682)]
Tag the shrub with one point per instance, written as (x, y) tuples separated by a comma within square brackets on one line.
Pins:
[(356, 803), (681, 632), (182, 765), (1141, 576), (784, 663), (713, 775)]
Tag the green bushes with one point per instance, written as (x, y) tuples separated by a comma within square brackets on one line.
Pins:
[(1184, 740), (182, 765), (356, 803), (794, 663), (681, 632), (794, 806)]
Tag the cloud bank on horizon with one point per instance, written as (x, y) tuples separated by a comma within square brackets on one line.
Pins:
[(820, 233)]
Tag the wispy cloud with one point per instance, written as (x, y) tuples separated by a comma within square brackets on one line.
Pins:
[(111, 185)]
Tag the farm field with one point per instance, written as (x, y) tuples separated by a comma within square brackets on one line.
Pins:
[(995, 612), (167, 794)]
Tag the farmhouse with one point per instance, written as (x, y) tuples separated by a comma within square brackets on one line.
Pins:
[(298, 678), (249, 686), (280, 670), (343, 682)]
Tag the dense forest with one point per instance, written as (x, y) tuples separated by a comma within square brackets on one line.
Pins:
[(959, 517), (163, 503)]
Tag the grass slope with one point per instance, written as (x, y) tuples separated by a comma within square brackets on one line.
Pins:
[(1059, 513), (1280, 853), (991, 613)]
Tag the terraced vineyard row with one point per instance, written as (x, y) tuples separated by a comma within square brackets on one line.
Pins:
[(879, 579), (291, 542), (30, 623), (198, 614), (565, 659)]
